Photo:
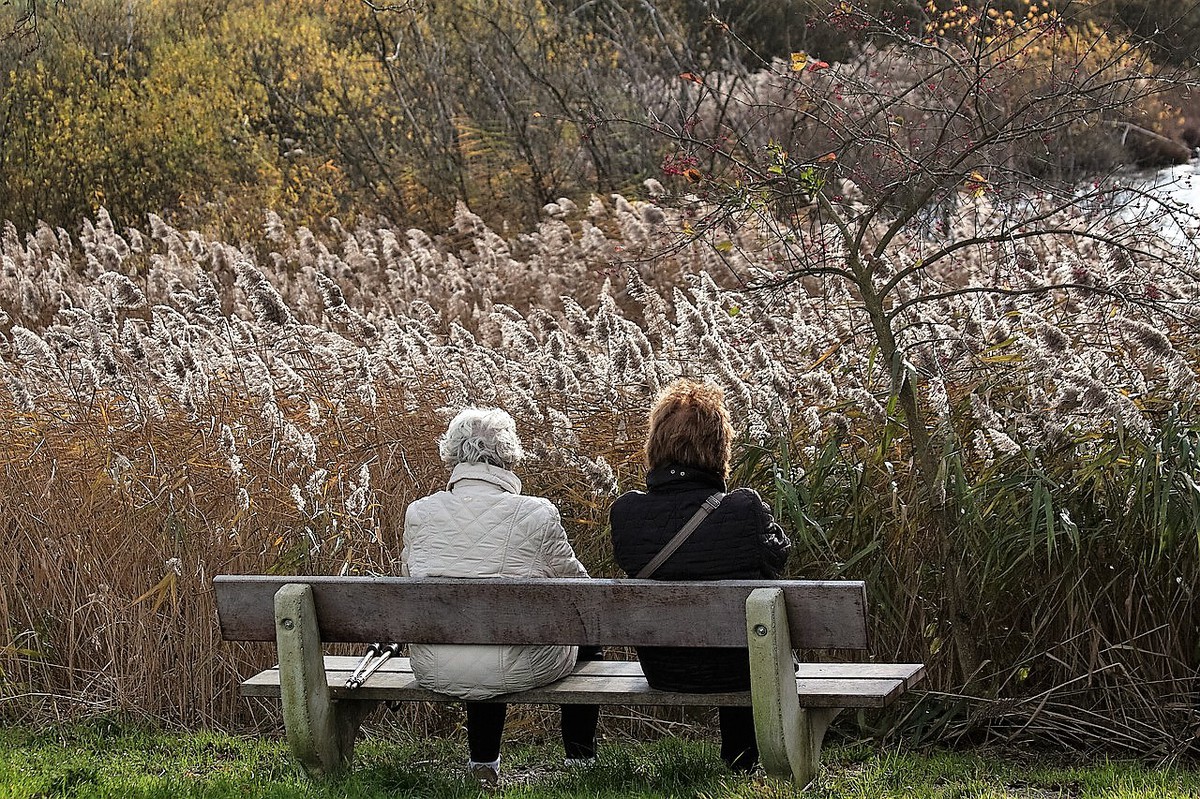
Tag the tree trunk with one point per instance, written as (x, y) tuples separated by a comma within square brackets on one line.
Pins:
[(938, 539)]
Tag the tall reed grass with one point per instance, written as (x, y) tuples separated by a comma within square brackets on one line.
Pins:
[(177, 407)]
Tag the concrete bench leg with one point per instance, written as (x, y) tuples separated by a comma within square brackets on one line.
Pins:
[(789, 737), (320, 730)]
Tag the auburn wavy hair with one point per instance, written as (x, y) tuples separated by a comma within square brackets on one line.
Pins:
[(689, 424)]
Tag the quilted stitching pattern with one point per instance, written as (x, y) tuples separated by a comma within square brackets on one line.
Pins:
[(482, 526)]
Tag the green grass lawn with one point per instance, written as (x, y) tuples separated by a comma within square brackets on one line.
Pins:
[(95, 761)]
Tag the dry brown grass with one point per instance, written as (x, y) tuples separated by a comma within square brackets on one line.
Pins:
[(120, 497)]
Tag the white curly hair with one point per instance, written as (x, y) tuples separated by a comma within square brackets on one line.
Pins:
[(481, 435)]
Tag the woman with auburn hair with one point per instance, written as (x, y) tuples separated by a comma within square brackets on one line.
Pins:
[(687, 459), (483, 526)]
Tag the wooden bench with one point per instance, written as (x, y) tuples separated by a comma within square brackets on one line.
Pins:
[(793, 706)]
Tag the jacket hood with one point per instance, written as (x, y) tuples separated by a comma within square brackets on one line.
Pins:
[(487, 473), (681, 477)]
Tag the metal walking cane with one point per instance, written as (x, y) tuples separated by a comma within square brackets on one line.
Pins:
[(355, 680), (368, 666)]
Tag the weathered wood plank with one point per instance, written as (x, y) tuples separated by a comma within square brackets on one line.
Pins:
[(910, 673), (822, 614), (605, 689)]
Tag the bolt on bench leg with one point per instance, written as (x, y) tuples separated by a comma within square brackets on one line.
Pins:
[(789, 736), (320, 730)]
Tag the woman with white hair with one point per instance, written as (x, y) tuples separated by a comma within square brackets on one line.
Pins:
[(482, 526)]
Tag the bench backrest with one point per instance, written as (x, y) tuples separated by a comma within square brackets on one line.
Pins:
[(821, 614)]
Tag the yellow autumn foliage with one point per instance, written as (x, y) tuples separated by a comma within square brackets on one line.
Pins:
[(211, 113)]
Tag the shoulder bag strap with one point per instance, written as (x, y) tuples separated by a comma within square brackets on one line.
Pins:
[(667, 551)]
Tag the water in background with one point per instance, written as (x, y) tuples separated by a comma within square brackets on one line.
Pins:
[(1167, 200), (1182, 182)]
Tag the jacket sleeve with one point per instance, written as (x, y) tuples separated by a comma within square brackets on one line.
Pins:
[(620, 540), (774, 543), (404, 552), (557, 553)]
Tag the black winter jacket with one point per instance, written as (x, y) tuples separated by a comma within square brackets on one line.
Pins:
[(738, 541)]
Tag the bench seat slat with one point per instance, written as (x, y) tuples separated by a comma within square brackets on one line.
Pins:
[(616, 682), (339, 667)]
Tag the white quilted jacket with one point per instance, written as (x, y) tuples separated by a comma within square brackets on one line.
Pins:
[(482, 526)]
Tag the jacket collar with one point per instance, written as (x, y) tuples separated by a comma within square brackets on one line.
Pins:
[(487, 473), (681, 477)]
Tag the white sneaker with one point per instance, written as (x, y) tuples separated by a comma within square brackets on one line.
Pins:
[(486, 774), (579, 762)]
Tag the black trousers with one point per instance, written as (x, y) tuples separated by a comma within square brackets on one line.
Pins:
[(485, 727), (707, 670), (485, 724), (739, 749)]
